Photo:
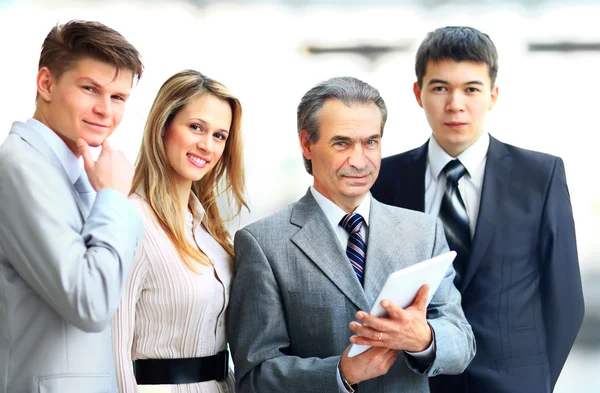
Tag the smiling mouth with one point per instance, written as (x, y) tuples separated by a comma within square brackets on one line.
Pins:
[(197, 160), (358, 179), (95, 124)]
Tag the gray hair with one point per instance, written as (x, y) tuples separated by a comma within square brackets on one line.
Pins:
[(349, 90)]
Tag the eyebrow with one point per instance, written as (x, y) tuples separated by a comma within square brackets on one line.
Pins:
[(443, 82), (207, 124), (97, 85), (341, 138)]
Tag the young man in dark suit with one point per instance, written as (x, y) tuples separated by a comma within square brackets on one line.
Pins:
[(507, 213)]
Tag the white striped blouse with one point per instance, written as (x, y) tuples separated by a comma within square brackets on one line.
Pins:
[(167, 310)]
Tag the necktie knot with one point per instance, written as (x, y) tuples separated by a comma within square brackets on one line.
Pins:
[(82, 184), (86, 193), (352, 222), (454, 170)]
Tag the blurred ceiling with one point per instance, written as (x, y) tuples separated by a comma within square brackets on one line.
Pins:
[(422, 3)]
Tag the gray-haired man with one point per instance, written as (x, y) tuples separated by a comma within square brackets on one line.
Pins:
[(305, 272)]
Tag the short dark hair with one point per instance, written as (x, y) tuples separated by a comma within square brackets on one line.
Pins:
[(67, 44), (349, 90), (458, 43)]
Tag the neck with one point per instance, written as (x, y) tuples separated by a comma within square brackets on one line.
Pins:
[(39, 116), (347, 204)]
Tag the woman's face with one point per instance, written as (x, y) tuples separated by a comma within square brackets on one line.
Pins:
[(196, 138)]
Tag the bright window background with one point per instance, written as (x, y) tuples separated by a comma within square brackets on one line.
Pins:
[(548, 100)]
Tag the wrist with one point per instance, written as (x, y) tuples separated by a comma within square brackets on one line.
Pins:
[(350, 387), (427, 339)]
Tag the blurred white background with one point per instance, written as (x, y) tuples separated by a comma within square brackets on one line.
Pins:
[(548, 99)]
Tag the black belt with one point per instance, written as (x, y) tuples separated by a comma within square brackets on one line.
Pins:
[(185, 370)]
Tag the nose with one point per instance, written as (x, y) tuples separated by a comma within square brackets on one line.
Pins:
[(357, 158), (455, 103), (103, 106), (205, 143)]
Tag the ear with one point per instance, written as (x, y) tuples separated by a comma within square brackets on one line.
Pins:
[(44, 83), (305, 144), (494, 97), (417, 91)]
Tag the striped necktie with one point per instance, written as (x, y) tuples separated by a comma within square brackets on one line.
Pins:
[(454, 216), (356, 250)]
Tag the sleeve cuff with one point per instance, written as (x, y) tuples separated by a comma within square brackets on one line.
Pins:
[(428, 355)]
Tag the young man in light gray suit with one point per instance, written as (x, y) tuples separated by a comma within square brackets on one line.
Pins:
[(65, 251), (302, 276)]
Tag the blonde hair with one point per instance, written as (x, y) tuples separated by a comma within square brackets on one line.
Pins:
[(153, 179)]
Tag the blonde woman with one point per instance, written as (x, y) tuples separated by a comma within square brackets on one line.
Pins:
[(171, 321)]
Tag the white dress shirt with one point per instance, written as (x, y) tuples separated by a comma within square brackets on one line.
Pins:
[(67, 159), (168, 311), (334, 215), (470, 185)]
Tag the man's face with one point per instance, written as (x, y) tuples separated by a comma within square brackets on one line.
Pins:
[(85, 102), (456, 97), (346, 158)]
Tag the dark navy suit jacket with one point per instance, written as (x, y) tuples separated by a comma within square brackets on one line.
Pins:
[(521, 290)]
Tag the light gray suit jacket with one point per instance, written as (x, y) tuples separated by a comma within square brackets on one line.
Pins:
[(61, 274), (295, 294)]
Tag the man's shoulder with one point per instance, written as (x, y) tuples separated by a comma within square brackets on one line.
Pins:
[(520, 153), (18, 155), (271, 224), (402, 158), (530, 162), (406, 216), (25, 171)]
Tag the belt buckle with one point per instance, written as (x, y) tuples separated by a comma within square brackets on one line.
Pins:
[(223, 361)]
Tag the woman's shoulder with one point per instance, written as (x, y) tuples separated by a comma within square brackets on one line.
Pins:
[(143, 207)]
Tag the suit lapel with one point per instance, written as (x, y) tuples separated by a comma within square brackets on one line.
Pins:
[(411, 187), (39, 144), (495, 185), (384, 249), (321, 245)]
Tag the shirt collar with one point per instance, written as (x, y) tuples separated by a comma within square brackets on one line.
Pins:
[(197, 209), (334, 213), (65, 156), (471, 158)]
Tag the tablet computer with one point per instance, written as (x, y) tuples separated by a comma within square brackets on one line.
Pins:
[(401, 287)]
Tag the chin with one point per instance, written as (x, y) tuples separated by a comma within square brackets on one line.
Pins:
[(93, 141), (357, 191), (195, 176)]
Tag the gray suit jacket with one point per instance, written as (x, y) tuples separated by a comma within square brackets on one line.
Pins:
[(61, 274), (295, 294)]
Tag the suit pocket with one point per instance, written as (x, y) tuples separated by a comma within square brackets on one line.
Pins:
[(75, 383), (524, 290), (525, 373), (318, 321)]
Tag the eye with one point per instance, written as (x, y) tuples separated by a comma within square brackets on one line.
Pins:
[(118, 98), (220, 136), (340, 144), (372, 142), (472, 89), (196, 127), (439, 88), (91, 89)]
